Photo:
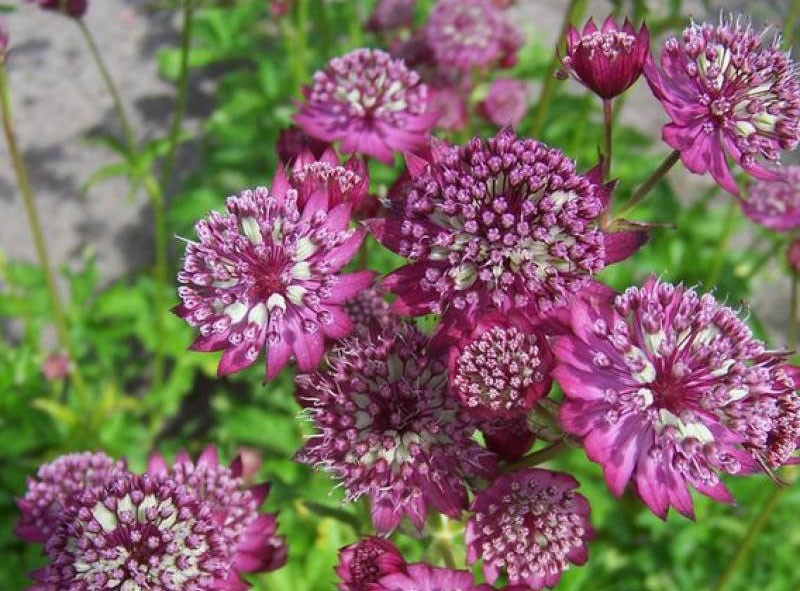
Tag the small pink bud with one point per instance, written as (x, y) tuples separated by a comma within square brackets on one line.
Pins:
[(56, 366)]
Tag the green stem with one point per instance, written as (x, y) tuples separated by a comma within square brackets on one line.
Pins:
[(574, 11), (722, 245), (23, 180), (608, 120), (295, 37), (791, 22), (651, 181), (538, 457)]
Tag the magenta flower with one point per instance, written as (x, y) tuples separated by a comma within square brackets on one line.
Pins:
[(465, 34), (137, 532), (309, 175), (506, 103), (265, 274), (50, 494), (293, 141), (450, 105), (387, 427), (501, 367), (606, 61), (391, 14), (730, 93), (531, 524), (669, 390), (424, 577), (4, 39), (503, 223), (367, 561), (249, 536), (56, 366), (369, 311), (775, 204), (370, 102), (509, 439), (72, 8)]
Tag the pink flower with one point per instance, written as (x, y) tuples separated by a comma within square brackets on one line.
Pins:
[(669, 390), (391, 14), (367, 561), (370, 102), (4, 39), (387, 427), (501, 367), (56, 366), (424, 577), (506, 103), (775, 204), (728, 92), (51, 492), (265, 274), (72, 8), (293, 141), (509, 439), (606, 61), (503, 223), (369, 311), (450, 104), (465, 34), (250, 537), (530, 523)]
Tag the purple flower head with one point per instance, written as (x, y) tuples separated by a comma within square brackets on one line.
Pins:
[(388, 428), (506, 103), (450, 104), (424, 577), (793, 256), (502, 223), (265, 274), (369, 311), (249, 536), (465, 34), (510, 439), (391, 14), (729, 92), (501, 367), (607, 61), (293, 141), (669, 389), (4, 37), (137, 532), (775, 204), (367, 561), (370, 102), (530, 523), (56, 366), (72, 8), (51, 492), (348, 183)]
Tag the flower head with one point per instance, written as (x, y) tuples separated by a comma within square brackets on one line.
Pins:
[(506, 103), (370, 102), (450, 104), (293, 141), (501, 223), (729, 92), (72, 8), (388, 428), (530, 523), (56, 366), (391, 14), (501, 367), (607, 61), (369, 311), (669, 390), (137, 532), (52, 491), (510, 439), (424, 577), (249, 536), (266, 273), (775, 204), (465, 34), (367, 561)]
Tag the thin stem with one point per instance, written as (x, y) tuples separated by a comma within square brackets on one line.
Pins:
[(791, 22), (23, 180), (792, 339), (574, 12), (722, 244), (753, 530), (538, 457), (651, 181), (608, 120)]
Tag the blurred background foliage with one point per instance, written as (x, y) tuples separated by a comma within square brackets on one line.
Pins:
[(259, 63)]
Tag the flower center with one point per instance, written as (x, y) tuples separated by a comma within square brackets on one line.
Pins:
[(611, 44)]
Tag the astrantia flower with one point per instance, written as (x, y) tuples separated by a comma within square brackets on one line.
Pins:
[(729, 92), (367, 561), (501, 367), (532, 525), (369, 311), (465, 34), (388, 428), (775, 204), (56, 366), (51, 492), (510, 439), (371, 103), (249, 536), (266, 274), (293, 141), (424, 577), (669, 390), (606, 61), (137, 532), (450, 104), (500, 223), (310, 174), (506, 103), (73, 8), (391, 14)]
